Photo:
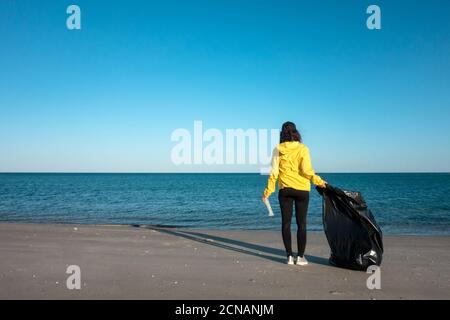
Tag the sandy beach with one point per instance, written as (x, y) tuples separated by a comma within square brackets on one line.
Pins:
[(144, 262)]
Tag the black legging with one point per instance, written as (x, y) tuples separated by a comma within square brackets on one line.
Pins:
[(287, 197)]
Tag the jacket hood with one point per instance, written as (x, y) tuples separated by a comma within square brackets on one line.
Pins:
[(289, 147)]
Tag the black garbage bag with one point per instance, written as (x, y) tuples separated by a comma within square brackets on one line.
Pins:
[(354, 236)]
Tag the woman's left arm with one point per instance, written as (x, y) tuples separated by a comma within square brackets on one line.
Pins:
[(272, 181)]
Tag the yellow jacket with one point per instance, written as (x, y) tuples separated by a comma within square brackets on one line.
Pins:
[(291, 165)]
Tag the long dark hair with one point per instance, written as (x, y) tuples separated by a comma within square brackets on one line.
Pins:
[(289, 132)]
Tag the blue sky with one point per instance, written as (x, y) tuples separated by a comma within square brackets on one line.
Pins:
[(106, 98)]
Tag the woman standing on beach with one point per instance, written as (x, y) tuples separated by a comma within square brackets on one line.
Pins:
[(291, 166)]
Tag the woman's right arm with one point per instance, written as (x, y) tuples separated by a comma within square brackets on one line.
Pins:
[(307, 171)]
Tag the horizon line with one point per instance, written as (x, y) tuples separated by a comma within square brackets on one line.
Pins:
[(212, 172)]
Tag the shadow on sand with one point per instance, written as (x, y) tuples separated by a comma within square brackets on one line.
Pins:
[(272, 254)]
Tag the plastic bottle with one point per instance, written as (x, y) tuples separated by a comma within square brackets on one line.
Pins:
[(269, 207)]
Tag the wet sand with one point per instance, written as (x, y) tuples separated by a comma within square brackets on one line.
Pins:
[(130, 262)]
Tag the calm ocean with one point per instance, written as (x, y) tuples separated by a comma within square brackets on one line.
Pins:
[(405, 203)]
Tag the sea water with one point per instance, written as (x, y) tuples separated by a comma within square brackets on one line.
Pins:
[(402, 203)]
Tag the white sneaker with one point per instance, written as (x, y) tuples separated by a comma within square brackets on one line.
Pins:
[(301, 261), (290, 260)]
